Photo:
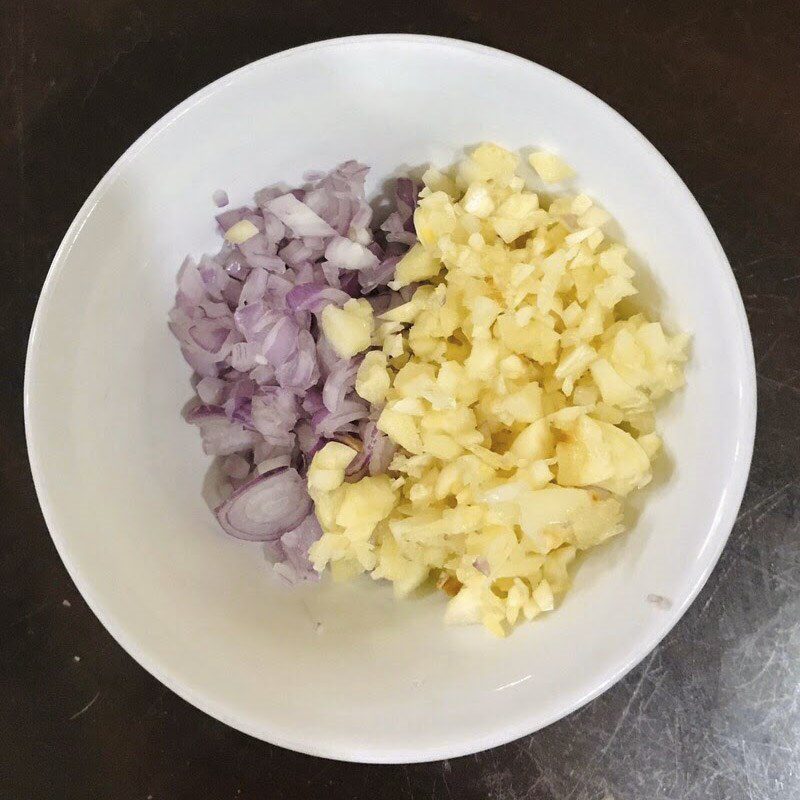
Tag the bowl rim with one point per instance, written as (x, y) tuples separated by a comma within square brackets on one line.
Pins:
[(717, 535)]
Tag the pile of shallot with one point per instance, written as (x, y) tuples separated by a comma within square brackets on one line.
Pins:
[(271, 390)]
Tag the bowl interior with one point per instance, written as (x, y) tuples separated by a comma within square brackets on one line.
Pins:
[(344, 671)]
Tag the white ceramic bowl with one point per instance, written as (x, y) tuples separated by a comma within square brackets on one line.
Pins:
[(119, 472)]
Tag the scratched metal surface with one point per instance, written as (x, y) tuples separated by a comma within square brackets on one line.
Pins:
[(714, 712)]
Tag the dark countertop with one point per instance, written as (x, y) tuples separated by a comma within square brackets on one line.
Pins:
[(714, 712)]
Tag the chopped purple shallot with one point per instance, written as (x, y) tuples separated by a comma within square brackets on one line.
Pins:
[(271, 391)]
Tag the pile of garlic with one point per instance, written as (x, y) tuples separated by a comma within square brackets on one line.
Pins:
[(520, 397)]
